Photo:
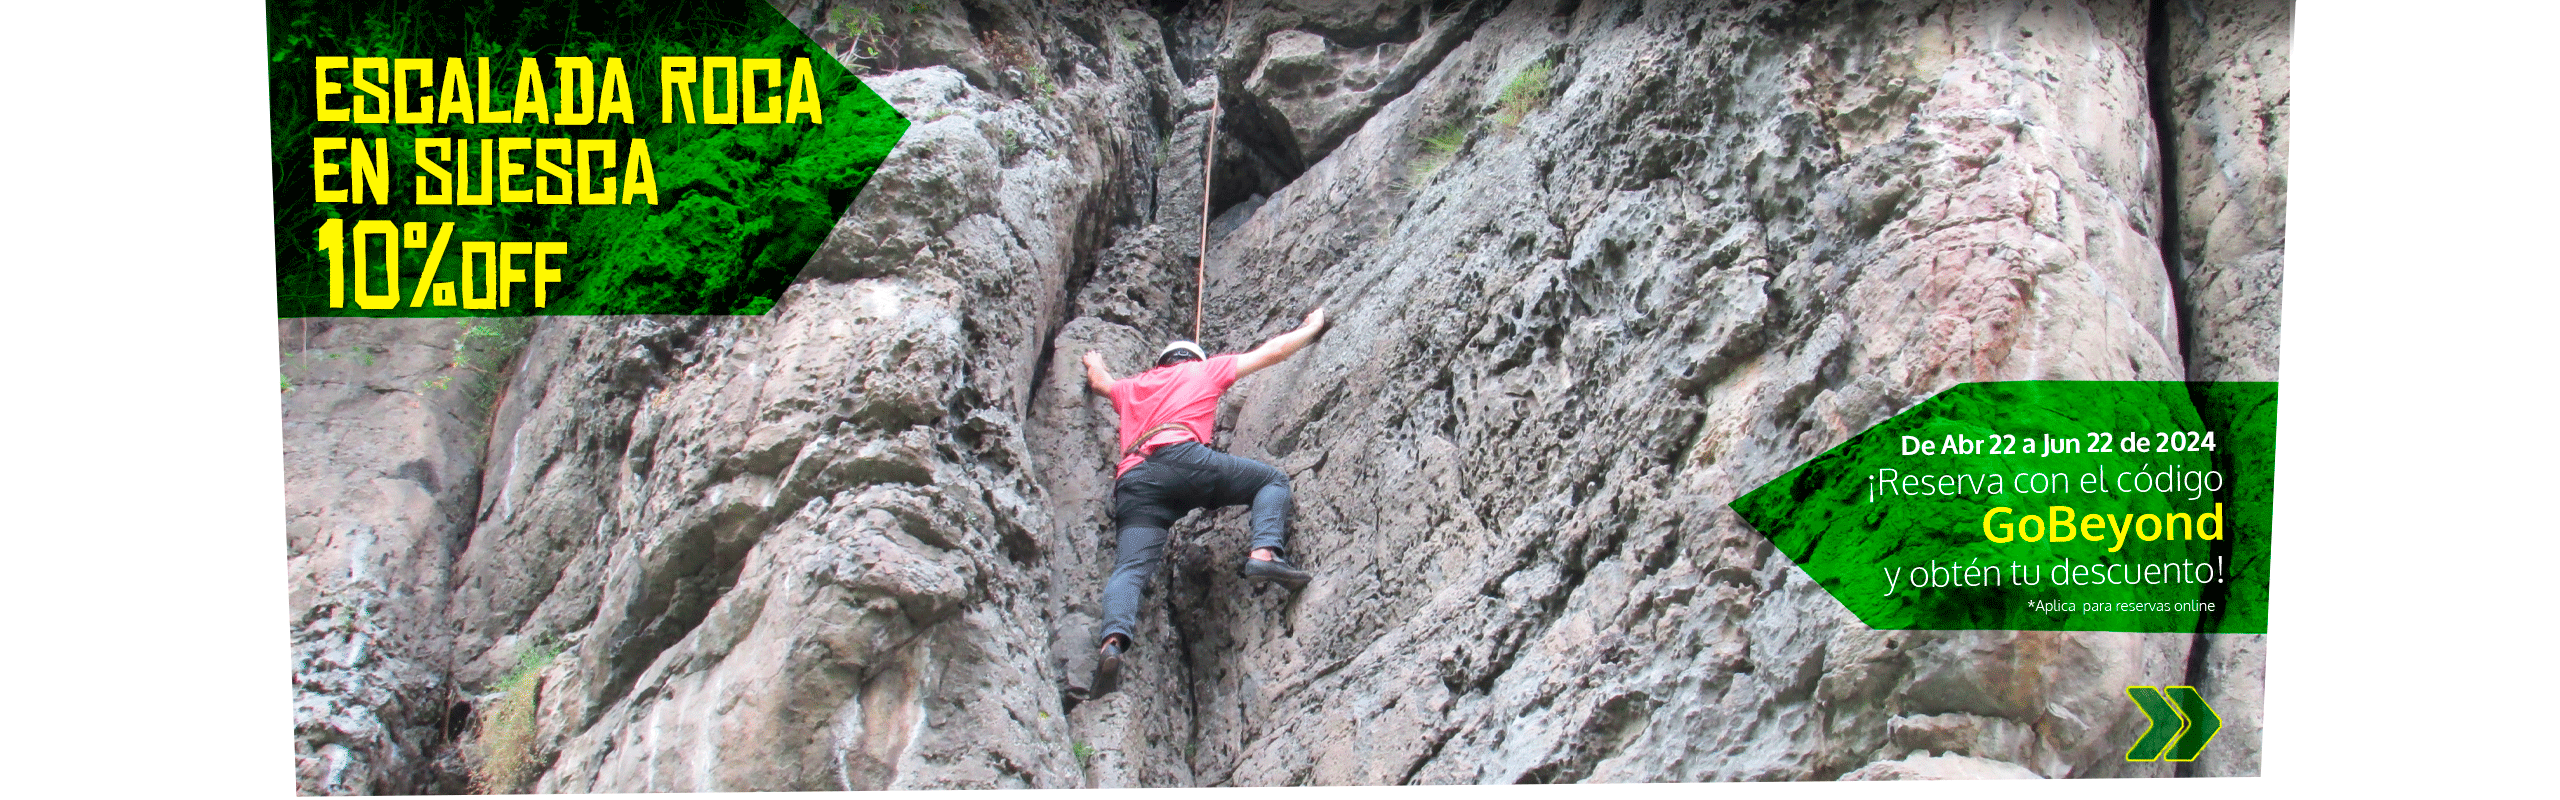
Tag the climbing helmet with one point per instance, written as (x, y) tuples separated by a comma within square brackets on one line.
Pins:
[(1178, 351)]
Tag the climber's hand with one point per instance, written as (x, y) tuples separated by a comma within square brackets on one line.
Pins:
[(1096, 374)]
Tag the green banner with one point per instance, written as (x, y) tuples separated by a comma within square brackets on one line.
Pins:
[(2182, 723), (490, 159), (2043, 505)]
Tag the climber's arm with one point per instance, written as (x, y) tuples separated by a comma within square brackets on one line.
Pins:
[(1281, 347), (1095, 375)]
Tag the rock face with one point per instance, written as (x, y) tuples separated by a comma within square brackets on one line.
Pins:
[(382, 453), (2227, 84), (1654, 255)]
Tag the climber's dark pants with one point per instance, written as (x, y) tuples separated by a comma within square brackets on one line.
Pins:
[(1174, 480)]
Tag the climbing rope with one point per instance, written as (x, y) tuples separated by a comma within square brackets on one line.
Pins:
[(1200, 270), (1208, 160)]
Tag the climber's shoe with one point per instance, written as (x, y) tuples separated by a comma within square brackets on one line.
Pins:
[(1276, 570), (1106, 672)]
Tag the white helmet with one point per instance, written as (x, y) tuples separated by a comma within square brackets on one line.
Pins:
[(1182, 346)]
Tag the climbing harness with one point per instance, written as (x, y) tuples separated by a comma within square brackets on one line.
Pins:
[(1151, 432)]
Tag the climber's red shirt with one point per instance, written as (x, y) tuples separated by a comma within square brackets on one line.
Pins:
[(1186, 393)]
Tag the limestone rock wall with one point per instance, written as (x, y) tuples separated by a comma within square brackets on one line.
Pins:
[(383, 438), (858, 542), (2228, 87)]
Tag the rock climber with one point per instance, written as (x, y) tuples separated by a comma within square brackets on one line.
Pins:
[(1166, 469)]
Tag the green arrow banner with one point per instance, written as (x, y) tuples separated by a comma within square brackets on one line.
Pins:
[(488, 159), (2181, 723), (2042, 505)]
